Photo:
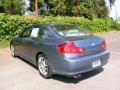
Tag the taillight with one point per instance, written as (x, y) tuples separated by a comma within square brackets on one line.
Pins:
[(69, 47), (103, 45)]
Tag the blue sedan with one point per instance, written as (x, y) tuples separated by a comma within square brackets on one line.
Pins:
[(60, 48)]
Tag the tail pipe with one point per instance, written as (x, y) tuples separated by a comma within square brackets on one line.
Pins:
[(77, 76)]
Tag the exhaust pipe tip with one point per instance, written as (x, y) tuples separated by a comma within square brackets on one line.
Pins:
[(77, 76)]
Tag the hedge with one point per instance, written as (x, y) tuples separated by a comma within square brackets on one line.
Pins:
[(12, 25)]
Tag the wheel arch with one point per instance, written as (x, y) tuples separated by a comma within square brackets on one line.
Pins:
[(38, 55), (12, 42), (51, 67)]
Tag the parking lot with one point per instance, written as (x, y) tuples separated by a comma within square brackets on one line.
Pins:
[(17, 74)]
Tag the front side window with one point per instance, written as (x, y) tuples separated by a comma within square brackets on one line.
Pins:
[(26, 32), (49, 35)]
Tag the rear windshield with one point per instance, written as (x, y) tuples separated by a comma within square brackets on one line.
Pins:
[(70, 30)]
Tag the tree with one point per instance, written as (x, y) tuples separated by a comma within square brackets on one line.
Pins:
[(100, 9), (36, 7), (57, 7), (111, 2), (82, 8), (11, 6), (70, 7), (79, 8)]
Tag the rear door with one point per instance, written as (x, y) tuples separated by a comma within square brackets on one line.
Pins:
[(32, 42)]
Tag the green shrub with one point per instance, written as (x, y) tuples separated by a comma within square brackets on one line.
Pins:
[(12, 25)]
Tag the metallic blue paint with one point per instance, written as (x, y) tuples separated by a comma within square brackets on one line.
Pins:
[(64, 64)]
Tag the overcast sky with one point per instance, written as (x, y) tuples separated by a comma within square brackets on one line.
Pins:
[(115, 10)]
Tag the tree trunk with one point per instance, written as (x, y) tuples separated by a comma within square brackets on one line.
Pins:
[(36, 7)]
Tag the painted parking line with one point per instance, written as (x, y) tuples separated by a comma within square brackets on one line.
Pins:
[(113, 40)]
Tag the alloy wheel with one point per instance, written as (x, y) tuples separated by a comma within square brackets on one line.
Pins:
[(43, 66)]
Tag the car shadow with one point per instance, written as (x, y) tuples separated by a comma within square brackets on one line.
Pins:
[(66, 79), (27, 62), (84, 76)]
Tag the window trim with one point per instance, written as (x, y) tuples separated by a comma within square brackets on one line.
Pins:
[(28, 28)]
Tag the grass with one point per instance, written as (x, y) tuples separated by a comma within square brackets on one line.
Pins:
[(4, 43)]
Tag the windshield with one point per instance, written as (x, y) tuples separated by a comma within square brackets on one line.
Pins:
[(69, 30)]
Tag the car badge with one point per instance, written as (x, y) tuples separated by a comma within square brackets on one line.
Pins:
[(93, 44)]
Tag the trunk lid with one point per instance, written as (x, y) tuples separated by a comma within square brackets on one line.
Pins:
[(90, 43)]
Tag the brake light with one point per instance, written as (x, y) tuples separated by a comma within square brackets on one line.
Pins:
[(103, 45), (69, 47)]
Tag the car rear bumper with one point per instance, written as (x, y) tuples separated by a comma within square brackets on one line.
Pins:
[(74, 66)]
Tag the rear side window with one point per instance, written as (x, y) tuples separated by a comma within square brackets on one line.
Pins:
[(49, 35), (41, 33), (69, 30)]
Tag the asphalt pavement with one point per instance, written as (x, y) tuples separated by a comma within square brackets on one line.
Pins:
[(17, 74)]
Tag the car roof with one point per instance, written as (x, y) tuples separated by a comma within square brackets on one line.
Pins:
[(51, 24)]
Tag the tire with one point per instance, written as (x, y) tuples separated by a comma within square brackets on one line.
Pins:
[(12, 48), (43, 66)]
